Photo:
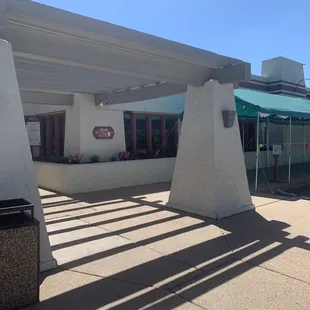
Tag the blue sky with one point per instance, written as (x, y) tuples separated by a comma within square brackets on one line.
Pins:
[(249, 30)]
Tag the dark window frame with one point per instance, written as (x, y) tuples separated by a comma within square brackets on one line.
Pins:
[(162, 116), (52, 127)]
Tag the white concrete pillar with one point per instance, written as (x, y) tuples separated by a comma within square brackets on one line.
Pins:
[(17, 177), (210, 177), (82, 117)]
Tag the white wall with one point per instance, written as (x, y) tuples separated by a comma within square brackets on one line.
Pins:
[(81, 119), (250, 160), (69, 179), (52, 176)]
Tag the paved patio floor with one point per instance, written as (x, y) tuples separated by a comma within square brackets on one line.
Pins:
[(123, 249)]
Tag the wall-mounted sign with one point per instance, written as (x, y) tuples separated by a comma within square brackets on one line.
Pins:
[(34, 133), (276, 150), (101, 132)]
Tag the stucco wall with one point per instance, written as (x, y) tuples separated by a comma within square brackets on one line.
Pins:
[(71, 179), (52, 176), (81, 119)]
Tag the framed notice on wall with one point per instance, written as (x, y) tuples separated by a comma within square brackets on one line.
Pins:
[(34, 133), (103, 132)]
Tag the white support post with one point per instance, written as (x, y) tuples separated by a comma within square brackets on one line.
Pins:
[(211, 182), (267, 142), (290, 151), (17, 177), (257, 152)]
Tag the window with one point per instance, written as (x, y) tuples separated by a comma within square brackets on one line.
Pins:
[(150, 135), (128, 130), (141, 134), (156, 134), (52, 134)]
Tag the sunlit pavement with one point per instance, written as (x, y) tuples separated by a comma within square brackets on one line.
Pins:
[(123, 249)]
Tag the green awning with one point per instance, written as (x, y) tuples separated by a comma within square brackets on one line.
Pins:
[(250, 102), (272, 104)]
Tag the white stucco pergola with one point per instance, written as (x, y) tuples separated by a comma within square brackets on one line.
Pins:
[(58, 55)]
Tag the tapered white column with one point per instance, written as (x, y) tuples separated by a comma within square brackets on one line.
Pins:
[(210, 177), (17, 177)]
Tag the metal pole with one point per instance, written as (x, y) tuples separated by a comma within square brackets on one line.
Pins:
[(243, 137), (267, 141), (257, 152), (290, 152), (304, 143)]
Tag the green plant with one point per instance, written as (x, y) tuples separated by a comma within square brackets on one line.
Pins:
[(58, 159), (94, 159)]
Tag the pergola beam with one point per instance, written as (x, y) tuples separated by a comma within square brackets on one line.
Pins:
[(69, 53), (140, 94), (232, 73), (226, 75), (40, 16), (85, 48), (46, 98)]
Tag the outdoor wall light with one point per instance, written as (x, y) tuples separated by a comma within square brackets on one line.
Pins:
[(229, 118)]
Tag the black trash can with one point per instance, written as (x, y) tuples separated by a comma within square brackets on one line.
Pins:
[(19, 254)]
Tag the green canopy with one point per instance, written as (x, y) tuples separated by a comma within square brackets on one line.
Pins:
[(250, 102), (272, 104)]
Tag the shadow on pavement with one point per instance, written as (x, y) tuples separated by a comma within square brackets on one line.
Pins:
[(246, 240)]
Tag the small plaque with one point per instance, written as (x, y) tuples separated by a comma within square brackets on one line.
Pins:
[(101, 132), (276, 149)]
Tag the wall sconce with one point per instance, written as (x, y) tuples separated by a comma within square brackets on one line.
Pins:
[(229, 118)]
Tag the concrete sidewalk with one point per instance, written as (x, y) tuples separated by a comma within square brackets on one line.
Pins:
[(123, 249)]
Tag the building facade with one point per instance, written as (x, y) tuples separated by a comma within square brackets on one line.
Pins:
[(150, 128)]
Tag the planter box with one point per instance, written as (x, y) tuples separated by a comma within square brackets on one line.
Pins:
[(70, 179)]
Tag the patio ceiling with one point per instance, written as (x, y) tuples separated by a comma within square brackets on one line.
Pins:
[(60, 52)]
